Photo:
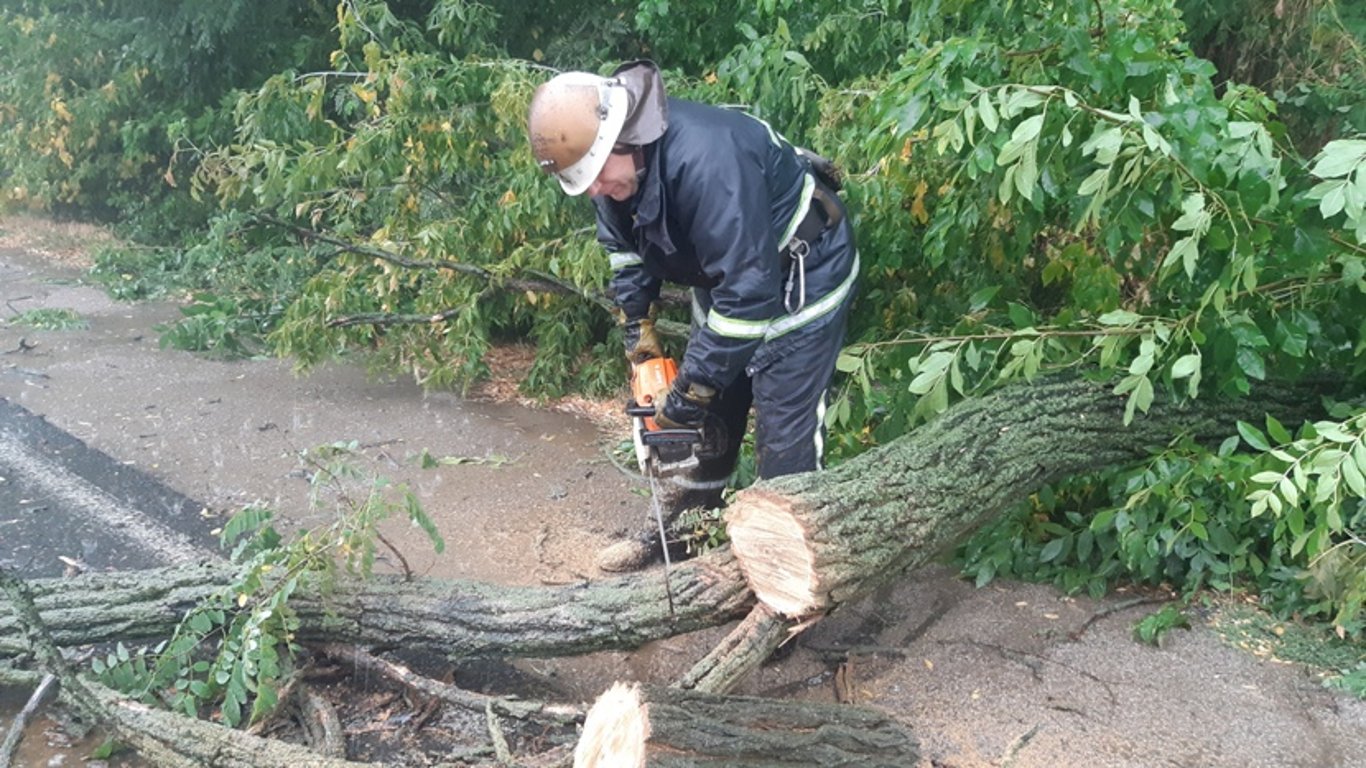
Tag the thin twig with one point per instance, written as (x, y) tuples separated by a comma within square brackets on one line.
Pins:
[(1018, 744), (425, 686), (1112, 609), (500, 741), (16, 728), (407, 569)]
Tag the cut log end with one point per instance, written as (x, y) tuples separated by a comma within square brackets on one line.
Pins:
[(615, 731), (771, 547)]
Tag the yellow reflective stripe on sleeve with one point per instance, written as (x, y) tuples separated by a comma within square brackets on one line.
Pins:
[(623, 259), (803, 206), (736, 329)]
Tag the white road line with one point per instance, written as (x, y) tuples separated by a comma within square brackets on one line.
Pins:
[(119, 519)]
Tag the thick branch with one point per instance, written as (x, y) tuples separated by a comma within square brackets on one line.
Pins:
[(162, 737), (456, 618), (810, 542), (535, 282)]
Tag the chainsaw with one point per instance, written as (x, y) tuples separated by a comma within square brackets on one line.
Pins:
[(660, 452)]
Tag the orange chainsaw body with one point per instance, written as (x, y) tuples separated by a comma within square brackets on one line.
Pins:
[(652, 378)]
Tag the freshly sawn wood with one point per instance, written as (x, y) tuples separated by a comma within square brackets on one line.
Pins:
[(634, 727)]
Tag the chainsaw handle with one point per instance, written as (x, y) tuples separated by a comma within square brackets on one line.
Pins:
[(635, 409), (680, 436)]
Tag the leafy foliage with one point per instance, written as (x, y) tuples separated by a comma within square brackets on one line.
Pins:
[(233, 650), (1152, 628), (49, 319)]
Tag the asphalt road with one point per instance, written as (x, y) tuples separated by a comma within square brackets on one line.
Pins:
[(64, 505)]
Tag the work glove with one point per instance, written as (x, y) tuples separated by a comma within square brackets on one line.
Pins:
[(685, 406), (642, 342)]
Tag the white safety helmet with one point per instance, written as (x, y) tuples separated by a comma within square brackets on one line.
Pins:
[(574, 121)]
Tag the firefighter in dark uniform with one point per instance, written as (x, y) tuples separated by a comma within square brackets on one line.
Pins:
[(714, 199)]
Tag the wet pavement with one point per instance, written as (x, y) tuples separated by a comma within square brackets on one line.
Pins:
[(65, 507)]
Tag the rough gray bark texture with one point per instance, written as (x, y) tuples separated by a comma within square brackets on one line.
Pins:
[(897, 507), (745, 648), (458, 618)]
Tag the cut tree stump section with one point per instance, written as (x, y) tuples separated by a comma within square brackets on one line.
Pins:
[(634, 727), (809, 542)]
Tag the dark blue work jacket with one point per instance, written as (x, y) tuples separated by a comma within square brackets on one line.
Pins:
[(721, 197)]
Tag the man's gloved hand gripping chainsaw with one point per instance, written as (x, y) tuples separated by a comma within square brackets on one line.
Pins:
[(660, 452)]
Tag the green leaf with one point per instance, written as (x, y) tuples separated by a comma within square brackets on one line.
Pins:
[(1094, 182), (981, 298), (1141, 364), (1354, 478), (1338, 158), (200, 623), (1027, 130), (1104, 144), (1103, 519), (1028, 173), (1334, 199), (987, 111), (1253, 436), (1251, 363), (1185, 366), (1119, 317), (1185, 251), (232, 709), (1143, 394), (1052, 550), (1288, 491), (1276, 430), (1007, 188), (1020, 315), (923, 382)]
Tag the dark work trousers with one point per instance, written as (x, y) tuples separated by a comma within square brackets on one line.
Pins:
[(786, 382)]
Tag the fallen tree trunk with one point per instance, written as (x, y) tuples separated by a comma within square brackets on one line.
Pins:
[(634, 727), (809, 542), (460, 619)]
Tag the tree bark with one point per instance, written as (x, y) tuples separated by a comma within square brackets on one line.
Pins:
[(634, 727), (809, 542), (746, 647), (460, 619)]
